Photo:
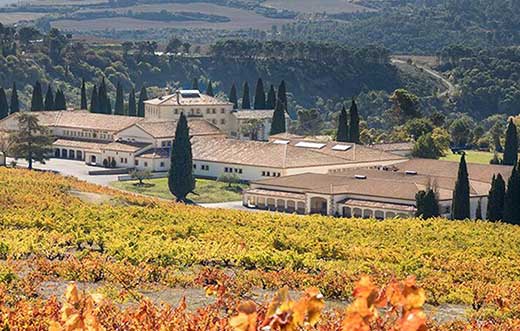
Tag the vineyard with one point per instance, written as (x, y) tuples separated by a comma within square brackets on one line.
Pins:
[(50, 233)]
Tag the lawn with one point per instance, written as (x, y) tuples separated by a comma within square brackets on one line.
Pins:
[(471, 157), (207, 191)]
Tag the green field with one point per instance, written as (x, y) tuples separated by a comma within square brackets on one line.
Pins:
[(471, 157), (207, 191)]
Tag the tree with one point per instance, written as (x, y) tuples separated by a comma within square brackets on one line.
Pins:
[(511, 145), (427, 204), (233, 97), (209, 90), (195, 84), (173, 45), (354, 123), (426, 148), (4, 106), (120, 103), (59, 101), (94, 101), (417, 127), (278, 121), (49, 99), (37, 98), (406, 105), (251, 128), (282, 96), (460, 202), (15, 104), (461, 131), (259, 95), (229, 179), (180, 177), (132, 110), (140, 175), (83, 103), (342, 133), (104, 104), (271, 98), (511, 198), (246, 102), (495, 207), (32, 141), (143, 96)]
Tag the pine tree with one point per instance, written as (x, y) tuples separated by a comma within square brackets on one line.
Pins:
[(94, 101), (59, 101), (195, 84), (342, 133), (4, 106), (511, 146), (15, 104), (259, 95), (512, 198), (37, 98), (132, 110), (143, 96), (271, 98), (180, 177), (427, 204), (354, 123), (83, 104), (209, 90), (49, 99), (495, 207), (461, 203), (120, 103), (246, 102), (233, 97), (278, 121), (103, 104)]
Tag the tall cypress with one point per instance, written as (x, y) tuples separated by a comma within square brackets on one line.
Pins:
[(460, 208), (132, 110), (511, 146), (108, 110), (209, 90), (15, 103), (233, 97), (37, 97), (354, 123), (427, 204), (342, 133), (120, 102), (143, 96), (83, 104), (271, 98), (94, 100), (59, 101), (495, 207), (180, 177), (259, 95), (278, 121), (282, 96), (512, 198), (195, 84), (246, 101), (103, 105), (49, 99), (4, 106)]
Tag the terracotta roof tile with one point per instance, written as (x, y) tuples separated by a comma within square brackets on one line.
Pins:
[(166, 129), (201, 100)]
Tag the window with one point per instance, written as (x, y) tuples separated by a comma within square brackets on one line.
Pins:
[(207, 111), (223, 111), (136, 162), (205, 167), (122, 160), (214, 121), (214, 111), (162, 164), (239, 171), (146, 164), (222, 121), (176, 111), (194, 166)]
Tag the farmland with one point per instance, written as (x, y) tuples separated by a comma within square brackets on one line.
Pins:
[(312, 6)]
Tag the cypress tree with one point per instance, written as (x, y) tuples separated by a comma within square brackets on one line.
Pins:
[(180, 177), (282, 95), (195, 84), (495, 208), (209, 90), (511, 146), (354, 123), (120, 103), (342, 133), (271, 98), (59, 101), (140, 105), (259, 95), (109, 106), (103, 105), (461, 203), (512, 198), (49, 99), (15, 104), (132, 110), (233, 97), (427, 204), (83, 104), (278, 121), (37, 98), (4, 106), (246, 102), (94, 100)]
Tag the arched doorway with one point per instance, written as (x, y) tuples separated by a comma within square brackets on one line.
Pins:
[(318, 206), (64, 153), (57, 153), (79, 155)]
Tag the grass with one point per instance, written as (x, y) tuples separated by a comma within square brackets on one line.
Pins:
[(207, 191), (471, 157)]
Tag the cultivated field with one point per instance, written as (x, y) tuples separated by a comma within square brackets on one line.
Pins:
[(313, 6), (11, 18)]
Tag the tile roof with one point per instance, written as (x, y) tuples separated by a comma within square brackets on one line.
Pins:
[(123, 146), (378, 205), (155, 153), (166, 129), (96, 146), (269, 193), (201, 100), (393, 147), (254, 114)]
